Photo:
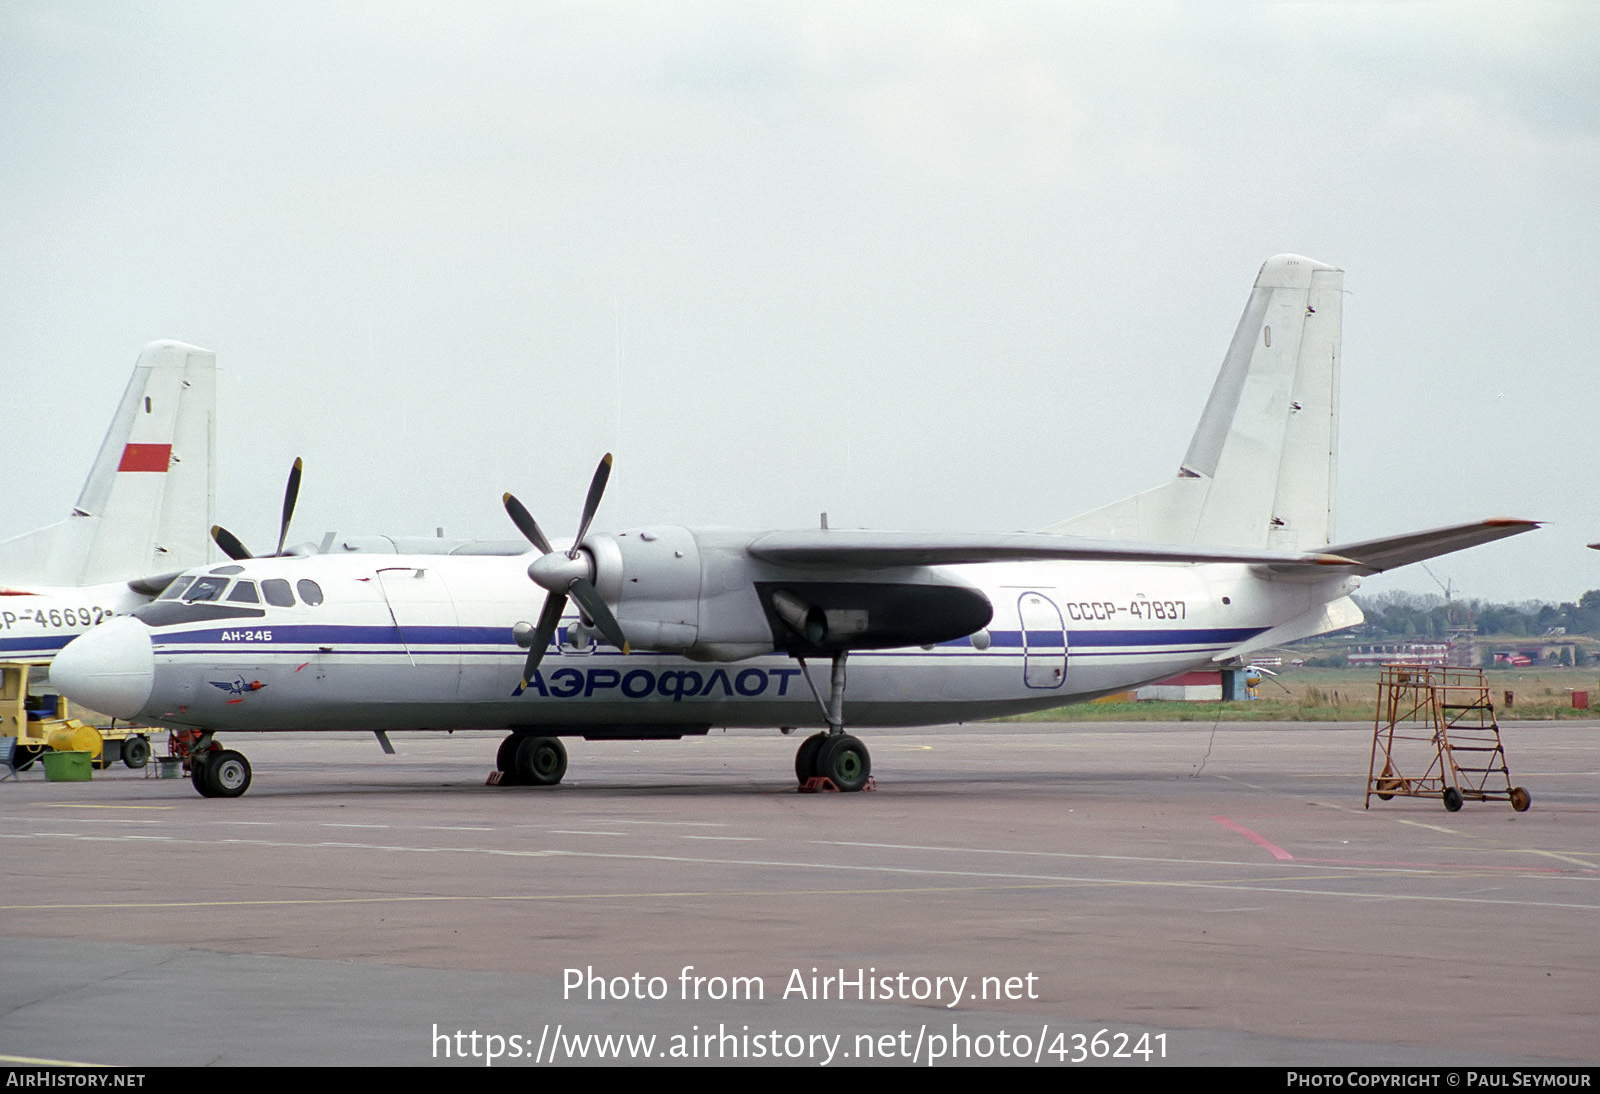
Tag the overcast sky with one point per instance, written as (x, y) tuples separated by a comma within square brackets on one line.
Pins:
[(937, 266)]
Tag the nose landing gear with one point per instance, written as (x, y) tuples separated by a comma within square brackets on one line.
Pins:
[(215, 772)]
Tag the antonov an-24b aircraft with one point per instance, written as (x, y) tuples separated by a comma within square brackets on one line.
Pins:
[(660, 632)]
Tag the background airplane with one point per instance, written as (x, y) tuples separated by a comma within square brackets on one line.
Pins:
[(140, 520), (1229, 556)]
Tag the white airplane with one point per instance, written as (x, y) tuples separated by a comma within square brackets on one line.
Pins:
[(659, 632), (140, 520)]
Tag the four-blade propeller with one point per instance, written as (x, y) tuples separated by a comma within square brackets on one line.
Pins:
[(570, 574), (230, 544)]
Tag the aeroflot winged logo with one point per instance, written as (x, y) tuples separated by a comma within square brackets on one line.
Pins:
[(237, 686)]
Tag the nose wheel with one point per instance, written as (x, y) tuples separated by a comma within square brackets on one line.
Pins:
[(222, 773)]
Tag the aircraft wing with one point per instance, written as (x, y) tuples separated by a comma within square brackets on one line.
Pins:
[(867, 550)]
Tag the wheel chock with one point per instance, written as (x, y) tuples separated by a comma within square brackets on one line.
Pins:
[(821, 784)]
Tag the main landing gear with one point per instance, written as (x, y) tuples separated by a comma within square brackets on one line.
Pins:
[(526, 760), (833, 755)]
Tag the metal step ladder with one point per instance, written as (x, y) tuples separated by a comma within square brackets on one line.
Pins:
[(1440, 722)]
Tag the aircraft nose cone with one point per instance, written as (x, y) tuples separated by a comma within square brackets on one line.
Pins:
[(109, 669)]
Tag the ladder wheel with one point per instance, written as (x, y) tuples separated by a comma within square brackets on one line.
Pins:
[(1452, 799), (1520, 799)]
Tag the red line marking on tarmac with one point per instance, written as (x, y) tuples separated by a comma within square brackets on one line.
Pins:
[(1260, 841)]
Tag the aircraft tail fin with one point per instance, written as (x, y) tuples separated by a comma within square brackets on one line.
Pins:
[(147, 504), (1260, 468)]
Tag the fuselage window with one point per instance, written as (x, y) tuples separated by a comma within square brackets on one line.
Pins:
[(205, 588), (175, 590), (244, 593), (277, 592), (309, 590)]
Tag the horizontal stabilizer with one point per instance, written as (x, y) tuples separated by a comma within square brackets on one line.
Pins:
[(1374, 556), (881, 550)]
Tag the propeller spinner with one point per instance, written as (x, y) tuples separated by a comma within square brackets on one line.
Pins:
[(565, 575), (231, 544)]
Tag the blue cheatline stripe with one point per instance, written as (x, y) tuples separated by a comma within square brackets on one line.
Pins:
[(43, 644), (326, 634), (1229, 636)]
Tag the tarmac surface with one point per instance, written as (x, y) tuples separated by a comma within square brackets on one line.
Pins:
[(1095, 893)]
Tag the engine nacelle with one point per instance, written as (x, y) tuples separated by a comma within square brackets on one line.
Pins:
[(701, 594)]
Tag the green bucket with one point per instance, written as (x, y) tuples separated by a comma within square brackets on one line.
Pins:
[(67, 767)]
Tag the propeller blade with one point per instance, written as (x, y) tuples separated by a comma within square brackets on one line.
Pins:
[(549, 619), (597, 488), (291, 494), (588, 598), (555, 576), (526, 524), (229, 543)]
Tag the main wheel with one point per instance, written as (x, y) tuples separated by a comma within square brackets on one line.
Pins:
[(805, 759), (541, 761), (136, 752), (228, 773), (1452, 798), (844, 759), (505, 760), (1520, 799)]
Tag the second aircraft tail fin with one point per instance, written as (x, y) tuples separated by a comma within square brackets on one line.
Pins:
[(147, 505)]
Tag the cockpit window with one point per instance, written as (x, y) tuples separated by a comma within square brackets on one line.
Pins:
[(310, 591), (205, 588), (277, 592), (175, 590), (244, 593)]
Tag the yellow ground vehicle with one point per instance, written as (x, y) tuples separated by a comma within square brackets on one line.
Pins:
[(41, 720)]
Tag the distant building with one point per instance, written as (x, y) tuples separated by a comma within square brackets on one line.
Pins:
[(1400, 653)]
